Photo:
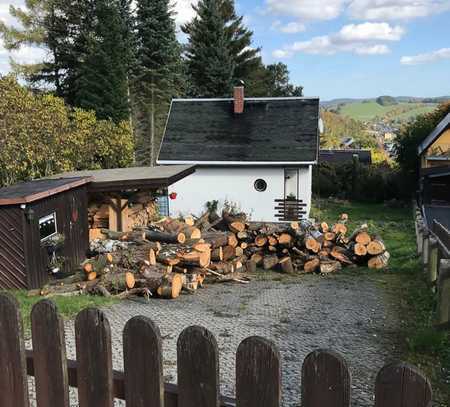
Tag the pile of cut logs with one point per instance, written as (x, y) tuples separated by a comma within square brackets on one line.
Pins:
[(172, 255)]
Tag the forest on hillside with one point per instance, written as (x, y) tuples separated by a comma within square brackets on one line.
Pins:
[(122, 59)]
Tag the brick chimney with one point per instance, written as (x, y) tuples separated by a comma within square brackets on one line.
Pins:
[(238, 99)]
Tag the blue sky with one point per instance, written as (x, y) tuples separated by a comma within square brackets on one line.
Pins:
[(340, 48)]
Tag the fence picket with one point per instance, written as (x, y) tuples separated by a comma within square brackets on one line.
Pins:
[(198, 368), (142, 351), (13, 377), (258, 373), (325, 380), (399, 385), (49, 354), (94, 357)]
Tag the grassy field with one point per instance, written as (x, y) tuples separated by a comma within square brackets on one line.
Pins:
[(67, 306), (404, 286), (370, 110)]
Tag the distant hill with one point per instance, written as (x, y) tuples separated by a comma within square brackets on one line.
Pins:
[(395, 110)]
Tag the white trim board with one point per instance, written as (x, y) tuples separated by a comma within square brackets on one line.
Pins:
[(237, 163)]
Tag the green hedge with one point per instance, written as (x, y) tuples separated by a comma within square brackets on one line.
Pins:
[(356, 182)]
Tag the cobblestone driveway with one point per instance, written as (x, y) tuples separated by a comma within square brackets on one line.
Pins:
[(343, 312)]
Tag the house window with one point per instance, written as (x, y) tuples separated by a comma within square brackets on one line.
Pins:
[(47, 226), (260, 185)]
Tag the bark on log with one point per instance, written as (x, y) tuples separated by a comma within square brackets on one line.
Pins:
[(270, 261), (379, 262), (327, 267), (286, 265), (165, 237), (376, 247), (311, 265)]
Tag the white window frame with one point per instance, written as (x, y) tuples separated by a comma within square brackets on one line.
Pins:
[(44, 219)]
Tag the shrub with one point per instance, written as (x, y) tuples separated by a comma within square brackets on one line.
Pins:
[(40, 135)]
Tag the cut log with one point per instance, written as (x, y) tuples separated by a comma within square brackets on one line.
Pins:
[(191, 232), (215, 239), (244, 245), (260, 240), (165, 237), (128, 236), (379, 262), (237, 226), (168, 256), (195, 258), (171, 286), (327, 267), (270, 261), (257, 258), (285, 239), (376, 247), (202, 247), (272, 240), (286, 265), (242, 235), (239, 251), (228, 252), (359, 249), (118, 282), (152, 257), (324, 227), (339, 228), (311, 265), (250, 266), (222, 267), (295, 225), (91, 276), (312, 244), (217, 254), (363, 238), (341, 254), (189, 220), (232, 240), (329, 236)]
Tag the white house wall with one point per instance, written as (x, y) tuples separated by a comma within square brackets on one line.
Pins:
[(236, 185)]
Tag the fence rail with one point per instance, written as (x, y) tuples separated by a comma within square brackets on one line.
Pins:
[(326, 380)]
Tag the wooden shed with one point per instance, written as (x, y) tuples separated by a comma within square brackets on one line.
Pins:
[(43, 227)]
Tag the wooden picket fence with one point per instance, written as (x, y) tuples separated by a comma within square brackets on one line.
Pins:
[(326, 379)]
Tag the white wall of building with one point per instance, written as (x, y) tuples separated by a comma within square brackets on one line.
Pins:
[(236, 185)]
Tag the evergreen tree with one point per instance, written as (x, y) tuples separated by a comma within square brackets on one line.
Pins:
[(156, 74), (239, 38), (99, 80), (210, 64)]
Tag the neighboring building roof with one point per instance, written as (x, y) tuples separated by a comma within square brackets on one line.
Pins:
[(434, 172), (437, 212), (132, 178), (340, 156), (26, 192), (434, 135), (269, 131)]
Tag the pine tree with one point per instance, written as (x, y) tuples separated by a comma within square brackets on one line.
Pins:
[(99, 79), (156, 74), (245, 59), (210, 64)]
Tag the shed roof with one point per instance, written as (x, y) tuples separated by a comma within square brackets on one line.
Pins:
[(26, 192), (434, 135), (269, 131), (133, 177), (341, 156)]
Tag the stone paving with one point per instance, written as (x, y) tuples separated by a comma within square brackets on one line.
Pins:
[(344, 313)]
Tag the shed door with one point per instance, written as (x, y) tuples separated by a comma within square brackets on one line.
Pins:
[(291, 183)]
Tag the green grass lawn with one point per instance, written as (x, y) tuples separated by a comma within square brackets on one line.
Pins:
[(370, 110), (67, 306), (404, 286)]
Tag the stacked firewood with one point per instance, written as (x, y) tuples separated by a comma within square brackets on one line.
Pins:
[(172, 255)]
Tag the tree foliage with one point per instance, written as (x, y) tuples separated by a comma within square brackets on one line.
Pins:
[(210, 65), (338, 127), (40, 135), (409, 139), (156, 74)]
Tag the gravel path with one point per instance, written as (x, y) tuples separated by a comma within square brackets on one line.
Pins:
[(344, 313)]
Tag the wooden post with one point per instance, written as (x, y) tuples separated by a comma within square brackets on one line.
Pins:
[(118, 215), (433, 261), (425, 247), (443, 288), (13, 377), (402, 385), (419, 229)]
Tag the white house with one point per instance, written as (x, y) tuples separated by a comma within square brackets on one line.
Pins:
[(255, 153)]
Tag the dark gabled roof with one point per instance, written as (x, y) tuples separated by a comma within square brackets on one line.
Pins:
[(117, 179), (270, 130), (342, 156), (26, 192), (434, 135)]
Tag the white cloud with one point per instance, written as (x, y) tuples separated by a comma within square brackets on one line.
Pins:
[(307, 10), (396, 9), (184, 10), (361, 39), (289, 28), (426, 58)]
